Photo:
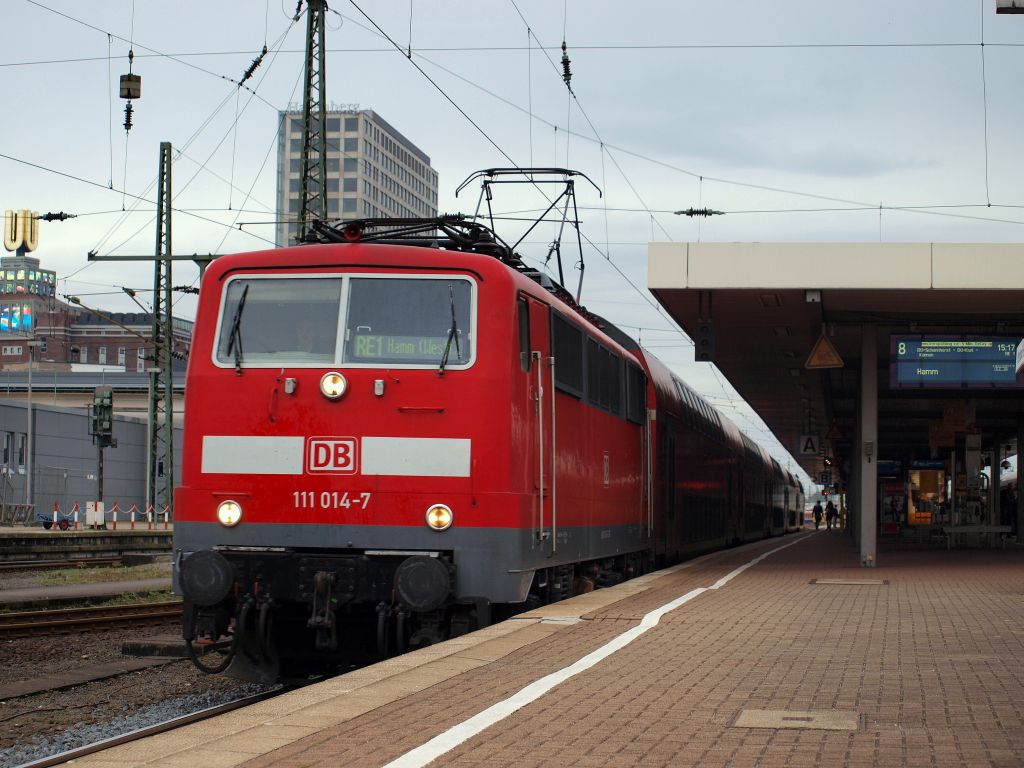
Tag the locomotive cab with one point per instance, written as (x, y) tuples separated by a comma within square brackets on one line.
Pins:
[(330, 472)]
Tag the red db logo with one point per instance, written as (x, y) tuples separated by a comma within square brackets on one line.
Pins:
[(331, 454)]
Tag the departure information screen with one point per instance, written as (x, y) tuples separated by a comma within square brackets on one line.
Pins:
[(953, 362)]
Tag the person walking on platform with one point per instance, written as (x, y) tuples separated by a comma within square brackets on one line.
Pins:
[(830, 514), (817, 514)]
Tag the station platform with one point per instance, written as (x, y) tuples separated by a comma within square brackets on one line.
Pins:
[(779, 653)]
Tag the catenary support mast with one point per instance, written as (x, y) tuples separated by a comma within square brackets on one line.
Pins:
[(160, 475), (313, 186)]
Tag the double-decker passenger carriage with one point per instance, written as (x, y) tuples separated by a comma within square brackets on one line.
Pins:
[(392, 436)]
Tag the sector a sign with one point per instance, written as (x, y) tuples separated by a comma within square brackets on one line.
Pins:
[(810, 445)]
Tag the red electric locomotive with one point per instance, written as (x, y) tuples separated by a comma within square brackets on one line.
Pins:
[(397, 434)]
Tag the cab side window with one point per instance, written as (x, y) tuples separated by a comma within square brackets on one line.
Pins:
[(523, 308)]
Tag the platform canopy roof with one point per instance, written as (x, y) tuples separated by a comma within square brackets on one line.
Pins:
[(770, 303)]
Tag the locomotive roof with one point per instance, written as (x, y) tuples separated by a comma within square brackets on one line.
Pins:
[(451, 233)]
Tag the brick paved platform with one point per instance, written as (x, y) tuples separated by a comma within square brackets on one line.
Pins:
[(803, 659)]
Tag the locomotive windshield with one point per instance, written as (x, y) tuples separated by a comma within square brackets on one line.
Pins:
[(392, 321), (407, 320)]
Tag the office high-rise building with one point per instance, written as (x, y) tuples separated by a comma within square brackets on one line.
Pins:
[(372, 171)]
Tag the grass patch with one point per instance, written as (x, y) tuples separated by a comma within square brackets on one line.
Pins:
[(104, 574), (133, 598), (129, 598)]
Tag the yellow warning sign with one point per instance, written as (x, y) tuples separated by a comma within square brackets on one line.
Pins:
[(823, 355)]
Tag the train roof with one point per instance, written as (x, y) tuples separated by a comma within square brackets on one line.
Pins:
[(422, 253)]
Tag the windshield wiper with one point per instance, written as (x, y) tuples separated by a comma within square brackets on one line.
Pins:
[(453, 335), (235, 339)]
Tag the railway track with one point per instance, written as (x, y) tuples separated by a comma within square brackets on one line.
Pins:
[(71, 620), (35, 565), (153, 730)]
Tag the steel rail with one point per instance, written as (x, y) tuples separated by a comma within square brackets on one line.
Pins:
[(33, 623), (153, 730), (25, 565)]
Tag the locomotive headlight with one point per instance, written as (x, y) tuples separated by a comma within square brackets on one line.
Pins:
[(229, 513), (333, 385), (439, 517)]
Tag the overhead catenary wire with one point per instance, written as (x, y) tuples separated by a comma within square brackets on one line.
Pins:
[(110, 106), (860, 205), (181, 55), (195, 134), (179, 58), (984, 100)]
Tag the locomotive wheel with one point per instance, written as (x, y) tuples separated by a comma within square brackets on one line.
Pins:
[(48, 524), (464, 621), (63, 524), (195, 655), (424, 636)]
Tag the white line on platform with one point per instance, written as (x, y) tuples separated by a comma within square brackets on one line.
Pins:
[(447, 741)]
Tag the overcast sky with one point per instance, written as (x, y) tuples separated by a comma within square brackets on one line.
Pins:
[(769, 111)]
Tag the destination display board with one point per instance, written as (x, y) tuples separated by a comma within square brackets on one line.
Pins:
[(953, 362), (400, 349)]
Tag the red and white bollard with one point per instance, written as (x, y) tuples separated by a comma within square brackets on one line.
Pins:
[(131, 515), (113, 515), (74, 514), (167, 511), (149, 517), (56, 509)]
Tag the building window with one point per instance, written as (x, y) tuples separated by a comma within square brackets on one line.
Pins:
[(348, 205), (351, 165), (140, 360), (120, 355), (351, 124), (102, 356), (332, 164), (22, 451), (333, 124), (351, 145), (332, 185), (350, 185), (83, 354)]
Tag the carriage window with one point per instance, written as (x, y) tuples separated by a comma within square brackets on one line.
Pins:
[(567, 344), (280, 320), (417, 321), (524, 334), (594, 373), (636, 394), (616, 385)]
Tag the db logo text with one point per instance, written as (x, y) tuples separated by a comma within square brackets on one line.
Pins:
[(337, 455)]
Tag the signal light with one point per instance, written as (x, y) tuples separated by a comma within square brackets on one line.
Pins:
[(704, 342)]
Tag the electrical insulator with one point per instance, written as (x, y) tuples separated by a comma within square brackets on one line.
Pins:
[(566, 72), (131, 88), (252, 67)]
